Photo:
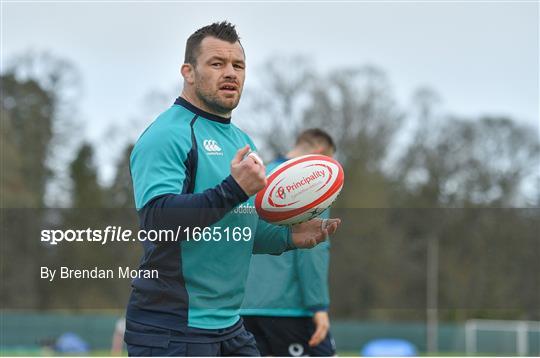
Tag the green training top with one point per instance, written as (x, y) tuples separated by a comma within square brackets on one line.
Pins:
[(180, 168)]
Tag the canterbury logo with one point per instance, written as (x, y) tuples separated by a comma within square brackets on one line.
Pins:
[(212, 147)]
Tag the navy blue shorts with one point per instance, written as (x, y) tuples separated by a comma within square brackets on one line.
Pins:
[(287, 336), (145, 340)]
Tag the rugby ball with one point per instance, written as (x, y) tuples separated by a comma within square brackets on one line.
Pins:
[(300, 189)]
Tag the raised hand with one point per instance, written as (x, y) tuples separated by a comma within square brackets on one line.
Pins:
[(313, 232), (248, 172)]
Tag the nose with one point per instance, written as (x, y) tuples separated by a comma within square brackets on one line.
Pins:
[(229, 72)]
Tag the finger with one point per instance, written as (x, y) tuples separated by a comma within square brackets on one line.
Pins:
[(240, 154), (325, 230), (336, 220), (253, 160), (318, 336), (324, 235), (310, 243), (256, 158), (332, 228), (333, 224), (262, 170)]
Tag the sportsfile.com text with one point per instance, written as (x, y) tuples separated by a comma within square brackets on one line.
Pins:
[(118, 234)]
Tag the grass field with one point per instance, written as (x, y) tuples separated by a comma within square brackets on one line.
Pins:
[(106, 353)]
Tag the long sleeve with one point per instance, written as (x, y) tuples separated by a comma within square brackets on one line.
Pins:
[(272, 239), (192, 210), (312, 266), (312, 271), (163, 168)]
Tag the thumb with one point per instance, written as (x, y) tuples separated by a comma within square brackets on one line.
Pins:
[(240, 154)]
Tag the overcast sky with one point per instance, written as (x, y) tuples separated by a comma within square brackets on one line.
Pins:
[(481, 57)]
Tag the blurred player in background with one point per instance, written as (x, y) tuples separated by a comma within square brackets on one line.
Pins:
[(117, 346), (286, 301)]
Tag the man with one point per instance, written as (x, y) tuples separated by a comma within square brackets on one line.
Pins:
[(192, 175), (287, 299)]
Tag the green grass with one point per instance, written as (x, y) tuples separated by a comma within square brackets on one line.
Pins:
[(106, 353), (45, 353)]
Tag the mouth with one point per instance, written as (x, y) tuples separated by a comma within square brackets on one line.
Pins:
[(229, 88)]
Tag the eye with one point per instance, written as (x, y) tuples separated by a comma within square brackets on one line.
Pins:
[(215, 64), (239, 67)]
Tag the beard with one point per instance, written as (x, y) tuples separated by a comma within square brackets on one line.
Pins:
[(212, 99), (215, 102)]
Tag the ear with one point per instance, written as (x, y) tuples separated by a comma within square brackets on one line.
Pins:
[(323, 150), (319, 149), (188, 72)]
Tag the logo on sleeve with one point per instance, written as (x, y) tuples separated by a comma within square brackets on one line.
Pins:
[(211, 147)]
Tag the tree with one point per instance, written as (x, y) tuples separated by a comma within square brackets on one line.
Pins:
[(121, 191), (60, 80), (454, 164), (86, 190), (26, 133), (27, 116), (275, 106), (355, 106)]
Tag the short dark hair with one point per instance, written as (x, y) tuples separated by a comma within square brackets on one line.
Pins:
[(316, 136), (221, 30)]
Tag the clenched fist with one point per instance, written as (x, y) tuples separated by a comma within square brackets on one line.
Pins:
[(249, 173)]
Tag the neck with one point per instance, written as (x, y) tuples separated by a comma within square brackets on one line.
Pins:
[(296, 152), (197, 102)]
